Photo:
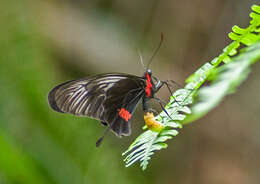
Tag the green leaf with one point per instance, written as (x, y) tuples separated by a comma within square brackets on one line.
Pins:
[(256, 8), (239, 30), (229, 77)]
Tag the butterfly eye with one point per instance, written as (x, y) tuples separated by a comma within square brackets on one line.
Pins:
[(149, 72)]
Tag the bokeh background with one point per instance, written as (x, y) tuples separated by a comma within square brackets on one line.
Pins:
[(46, 42)]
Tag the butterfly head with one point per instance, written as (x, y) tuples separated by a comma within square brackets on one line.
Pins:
[(148, 74), (149, 71)]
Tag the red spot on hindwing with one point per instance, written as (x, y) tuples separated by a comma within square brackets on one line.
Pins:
[(148, 85), (124, 114)]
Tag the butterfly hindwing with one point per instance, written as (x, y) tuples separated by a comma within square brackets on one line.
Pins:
[(100, 97), (121, 122)]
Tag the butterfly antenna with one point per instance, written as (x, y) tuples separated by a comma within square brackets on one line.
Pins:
[(99, 141), (141, 58), (155, 52)]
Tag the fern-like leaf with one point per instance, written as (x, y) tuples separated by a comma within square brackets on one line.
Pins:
[(226, 78)]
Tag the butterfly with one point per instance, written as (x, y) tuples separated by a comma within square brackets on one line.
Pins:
[(111, 98)]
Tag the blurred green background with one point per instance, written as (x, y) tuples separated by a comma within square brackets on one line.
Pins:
[(44, 43)]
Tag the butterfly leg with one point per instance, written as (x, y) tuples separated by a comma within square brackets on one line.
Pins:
[(172, 81), (160, 102), (167, 85)]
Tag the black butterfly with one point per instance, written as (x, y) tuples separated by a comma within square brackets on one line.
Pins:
[(111, 98)]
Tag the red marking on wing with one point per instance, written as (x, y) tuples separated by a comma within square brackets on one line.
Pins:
[(123, 113), (148, 85)]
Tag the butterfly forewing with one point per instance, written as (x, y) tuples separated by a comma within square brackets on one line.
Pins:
[(101, 97)]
